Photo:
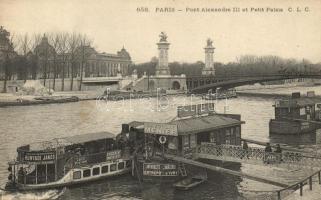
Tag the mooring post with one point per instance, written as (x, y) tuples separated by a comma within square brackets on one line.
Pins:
[(301, 189), (310, 182), (279, 195), (319, 175)]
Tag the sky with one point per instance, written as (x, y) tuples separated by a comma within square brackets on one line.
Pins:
[(112, 24)]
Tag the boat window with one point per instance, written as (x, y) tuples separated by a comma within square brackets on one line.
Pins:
[(113, 167), (128, 163), (104, 169), (77, 175), (96, 171), (121, 165), (86, 173)]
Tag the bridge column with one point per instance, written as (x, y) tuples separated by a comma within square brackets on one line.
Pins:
[(310, 182), (301, 189)]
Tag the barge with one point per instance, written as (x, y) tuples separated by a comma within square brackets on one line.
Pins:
[(40, 101), (296, 115), (193, 126), (67, 161), (225, 94)]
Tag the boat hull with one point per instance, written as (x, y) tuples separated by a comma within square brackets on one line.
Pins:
[(70, 180), (188, 183), (291, 127), (66, 184)]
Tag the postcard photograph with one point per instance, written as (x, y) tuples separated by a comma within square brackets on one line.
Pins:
[(160, 99)]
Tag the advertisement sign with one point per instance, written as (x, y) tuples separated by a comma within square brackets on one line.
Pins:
[(113, 155), (156, 169), (39, 156), (191, 110), (160, 129)]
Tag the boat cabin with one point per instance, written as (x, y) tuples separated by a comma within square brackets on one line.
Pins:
[(298, 107), (183, 134)]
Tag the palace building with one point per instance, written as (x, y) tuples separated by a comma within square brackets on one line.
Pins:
[(85, 58)]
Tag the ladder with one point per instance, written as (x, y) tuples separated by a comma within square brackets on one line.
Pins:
[(182, 169)]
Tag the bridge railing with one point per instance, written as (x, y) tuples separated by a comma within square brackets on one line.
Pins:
[(256, 153)]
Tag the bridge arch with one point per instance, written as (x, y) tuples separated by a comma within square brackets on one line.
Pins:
[(235, 81), (176, 85)]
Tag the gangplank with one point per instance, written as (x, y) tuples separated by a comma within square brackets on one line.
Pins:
[(309, 166), (223, 170)]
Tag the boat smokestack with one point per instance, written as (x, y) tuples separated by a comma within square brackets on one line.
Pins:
[(124, 128)]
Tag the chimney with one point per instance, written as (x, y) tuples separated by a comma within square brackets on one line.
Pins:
[(124, 128)]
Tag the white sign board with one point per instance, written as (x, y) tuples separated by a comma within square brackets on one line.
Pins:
[(160, 129), (199, 109), (113, 155)]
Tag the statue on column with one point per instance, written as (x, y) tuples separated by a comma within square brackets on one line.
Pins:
[(209, 42), (163, 37)]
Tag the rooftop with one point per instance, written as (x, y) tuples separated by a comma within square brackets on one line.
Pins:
[(204, 123), (76, 139), (298, 102), (198, 124)]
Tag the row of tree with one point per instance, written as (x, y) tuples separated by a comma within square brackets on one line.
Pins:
[(248, 65), (50, 55)]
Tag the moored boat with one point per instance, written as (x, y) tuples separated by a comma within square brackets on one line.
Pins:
[(189, 183), (225, 94), (296, 115), (67, 161)]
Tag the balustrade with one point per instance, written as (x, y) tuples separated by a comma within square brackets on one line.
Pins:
[(255, 153)]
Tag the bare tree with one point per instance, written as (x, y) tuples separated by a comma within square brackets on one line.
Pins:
[(55, 43), (62, 51), (85, 43), (32, 59), (73, 44), (24, 44), (9, 54)]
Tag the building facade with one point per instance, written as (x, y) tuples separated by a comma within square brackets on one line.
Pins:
[(107, 65)]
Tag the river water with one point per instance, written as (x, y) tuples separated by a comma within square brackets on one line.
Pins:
[(28, 124)]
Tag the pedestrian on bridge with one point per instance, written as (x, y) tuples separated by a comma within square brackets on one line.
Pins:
[(245, 148), (278, 152), (267, 153)]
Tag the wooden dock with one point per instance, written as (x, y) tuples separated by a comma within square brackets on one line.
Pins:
[(226, 171)]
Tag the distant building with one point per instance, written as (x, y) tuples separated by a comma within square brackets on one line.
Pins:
[(94, 64), (106, 64)]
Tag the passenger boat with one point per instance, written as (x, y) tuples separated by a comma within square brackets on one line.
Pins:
[(68, 161), (226, 94)]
